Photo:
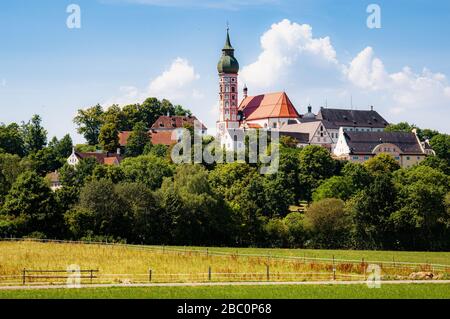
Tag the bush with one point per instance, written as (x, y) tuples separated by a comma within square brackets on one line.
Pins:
[(328, 223)]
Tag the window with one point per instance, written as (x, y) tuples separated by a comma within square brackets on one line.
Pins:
[(408, 158), (366, 158), (355, 158), (274, 125), (233, 89), (397, 158)]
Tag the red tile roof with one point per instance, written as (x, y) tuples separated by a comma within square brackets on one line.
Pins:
[(101, 158), (273, 105), (111, 161), (253, 125), (125, 135), (173, 122), (162, 137)]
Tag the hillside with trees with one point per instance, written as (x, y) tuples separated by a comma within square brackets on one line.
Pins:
[(313, 201)]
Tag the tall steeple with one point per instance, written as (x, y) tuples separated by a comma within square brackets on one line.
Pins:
[(228, 63), (228, 68)]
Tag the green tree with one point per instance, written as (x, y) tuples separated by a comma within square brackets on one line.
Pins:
[(62, 148), (198, 214), (371, 210), (339, 187), (276, 233), (157, 150), (441, 145), (297, 230), (109, 212), (422, 211), (77, 176), (149, 223), (45, 161), (112, 173), (400, 127), (89, 122), (109, 137), (115, 115), (147, 169), (316, 165), (11, 166), (31, 206), (358, 174), (355, 177), (34, 135), (11, 139), (436, 163), (329, 223), (138, 140), (382, 164)]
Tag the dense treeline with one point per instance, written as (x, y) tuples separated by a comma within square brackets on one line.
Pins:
[(313, 201)]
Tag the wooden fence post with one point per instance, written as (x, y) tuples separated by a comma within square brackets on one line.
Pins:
[(150, 275), (334, 269), (268, 272), (364, 268), (209, 273), (92, 275), (23, 276)]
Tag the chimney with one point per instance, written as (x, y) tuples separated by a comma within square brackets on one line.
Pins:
[(245, 91), (371, 107), (309, 109)]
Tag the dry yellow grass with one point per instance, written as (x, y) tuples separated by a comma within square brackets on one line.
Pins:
[(131, 264)]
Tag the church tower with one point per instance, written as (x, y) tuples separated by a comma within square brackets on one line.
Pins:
[(228, 68)]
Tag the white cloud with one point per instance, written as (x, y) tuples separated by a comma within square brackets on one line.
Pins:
[(282, 46), (176, 84), (366, 71), (405, 89)]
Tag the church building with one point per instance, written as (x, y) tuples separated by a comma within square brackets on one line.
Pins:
[(268, 111)]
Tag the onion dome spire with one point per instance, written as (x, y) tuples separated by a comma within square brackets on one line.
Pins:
[(228, 63)]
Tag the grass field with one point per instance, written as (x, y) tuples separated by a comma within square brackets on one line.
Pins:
[(368, 255), (117, 263), (397, 291)]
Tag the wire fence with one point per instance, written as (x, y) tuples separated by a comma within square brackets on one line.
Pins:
[(314, 269), (209, 252)]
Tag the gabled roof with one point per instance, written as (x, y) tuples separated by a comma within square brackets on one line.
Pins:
[(110, 161), (335, 118), (99, 157), (365, 142), (273, 105), (302, 138), (307, 127), (163, 138), (174, 122)]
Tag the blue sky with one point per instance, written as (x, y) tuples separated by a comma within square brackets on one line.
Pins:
[(317, 51)]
